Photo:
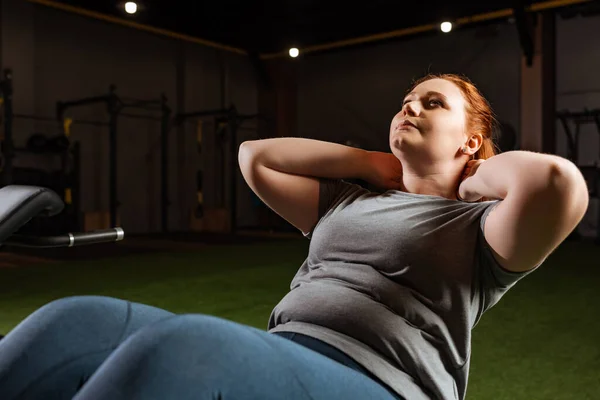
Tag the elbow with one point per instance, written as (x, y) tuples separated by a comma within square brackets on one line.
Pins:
[(557, 180), (566, 176), (553, 174), (245, 147), (246, 153), (569, 183)]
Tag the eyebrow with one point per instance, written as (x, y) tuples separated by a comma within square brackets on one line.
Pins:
[(430, 93)]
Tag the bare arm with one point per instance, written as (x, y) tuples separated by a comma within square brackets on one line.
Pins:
[(307, 157), (544, 198), (496, 177), (284, 173)]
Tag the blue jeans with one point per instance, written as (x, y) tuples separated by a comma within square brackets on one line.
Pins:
[(93, 347)]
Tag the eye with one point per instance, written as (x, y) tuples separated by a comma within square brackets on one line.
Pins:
[(435, 103)]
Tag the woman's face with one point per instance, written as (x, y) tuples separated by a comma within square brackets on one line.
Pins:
[(432, 123)]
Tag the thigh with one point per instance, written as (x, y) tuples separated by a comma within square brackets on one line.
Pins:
[(51, 353), (203, 357)]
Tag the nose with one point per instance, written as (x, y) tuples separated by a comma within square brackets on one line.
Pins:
[(411, 108)]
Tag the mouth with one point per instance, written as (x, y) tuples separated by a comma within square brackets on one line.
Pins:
[(405, 124)]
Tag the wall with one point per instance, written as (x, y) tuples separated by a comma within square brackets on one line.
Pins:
[(346, 95), (77, 58), (578, 87), (578, 80), (17, 41), (354, 93), (60, 56)]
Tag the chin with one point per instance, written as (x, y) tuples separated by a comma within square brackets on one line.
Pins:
[(399, 143)]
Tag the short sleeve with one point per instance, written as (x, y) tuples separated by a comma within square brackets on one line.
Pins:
[(493, 280), (331, 192)]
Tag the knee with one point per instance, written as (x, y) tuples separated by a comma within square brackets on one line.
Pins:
[(193, 353), (182, 336), (76, 306), (94, 315)]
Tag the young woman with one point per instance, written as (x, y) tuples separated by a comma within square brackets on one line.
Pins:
[(384, 304)]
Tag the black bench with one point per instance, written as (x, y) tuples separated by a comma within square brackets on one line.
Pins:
[(20, 204)]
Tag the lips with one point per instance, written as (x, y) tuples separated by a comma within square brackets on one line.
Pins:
[(405, 124)]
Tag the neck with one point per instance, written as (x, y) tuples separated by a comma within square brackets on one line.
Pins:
[(435, 180)]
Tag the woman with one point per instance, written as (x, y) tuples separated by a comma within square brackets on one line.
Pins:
[(384, 304)]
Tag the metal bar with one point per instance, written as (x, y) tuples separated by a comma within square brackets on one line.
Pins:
[(141, 104), (34, 117), (200, 114), (112, 167), (578, 92), (61, 106), (546, 5), (138, 116), (570, 139), (576, 147), (135, 25), (356, 41), (8, 145), (597, 120), (164, 166), (92, 123), (50, 119), (233, 167), (250, 116), (68, 239), (548, 48), (525, 31), (580, 114), (180, 101), (76, 184)]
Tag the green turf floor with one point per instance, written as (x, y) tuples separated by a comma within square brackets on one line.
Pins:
[(542, 341)]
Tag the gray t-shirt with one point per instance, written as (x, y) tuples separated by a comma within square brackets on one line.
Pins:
[(396, 281)]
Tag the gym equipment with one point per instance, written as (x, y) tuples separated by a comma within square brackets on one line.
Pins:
[(52, 162), (20, 204), (37, 143), (115, 106), (227, 123), (579, 118), (8, 147)]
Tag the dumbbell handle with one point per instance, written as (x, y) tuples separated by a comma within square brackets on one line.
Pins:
[(67, 240)]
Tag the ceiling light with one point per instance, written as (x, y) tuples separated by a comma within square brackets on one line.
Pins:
[(131, 7), (446, 27)]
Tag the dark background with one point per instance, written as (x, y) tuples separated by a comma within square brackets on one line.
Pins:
[(209, 55)]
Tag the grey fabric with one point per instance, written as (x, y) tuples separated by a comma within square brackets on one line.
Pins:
[(397, 281)]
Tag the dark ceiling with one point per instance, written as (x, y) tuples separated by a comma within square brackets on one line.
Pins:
[(268, 26)]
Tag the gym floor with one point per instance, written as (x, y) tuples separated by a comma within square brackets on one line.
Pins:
[(540, 342)]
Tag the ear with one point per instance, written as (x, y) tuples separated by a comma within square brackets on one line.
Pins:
[(474, 143)]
